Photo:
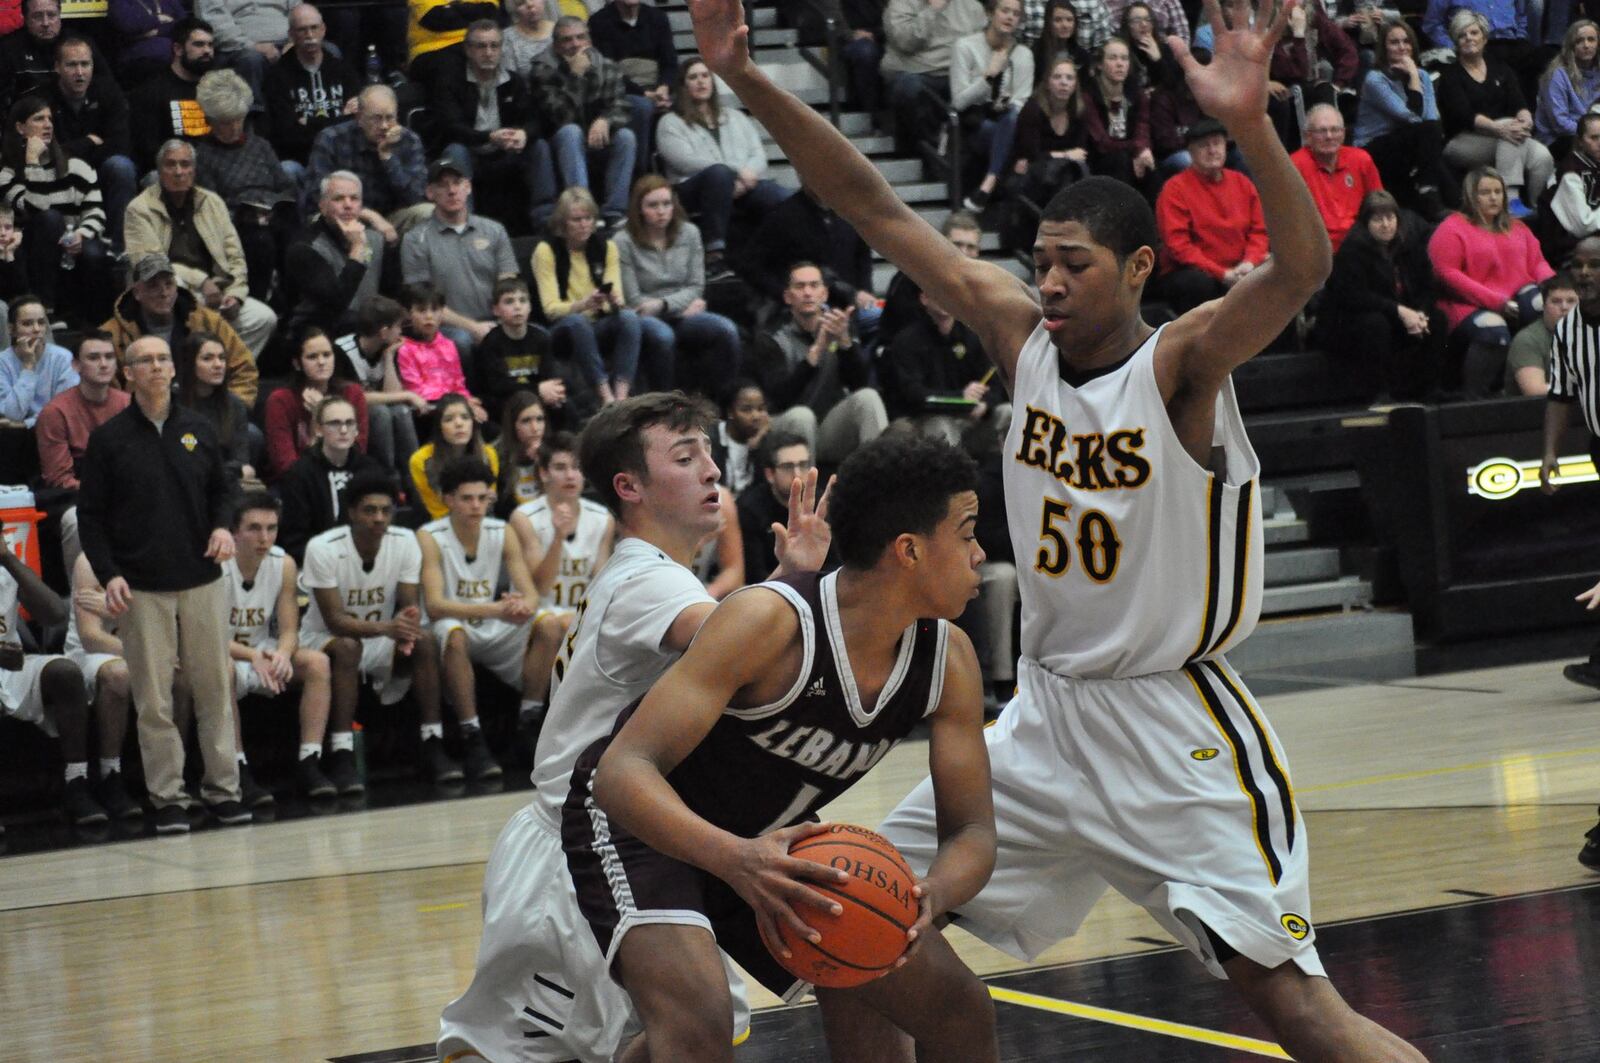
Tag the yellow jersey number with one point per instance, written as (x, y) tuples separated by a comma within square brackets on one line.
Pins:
[(559, 668), (1098, 547)]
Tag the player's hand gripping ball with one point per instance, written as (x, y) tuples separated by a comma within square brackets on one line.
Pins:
[(869, 935)]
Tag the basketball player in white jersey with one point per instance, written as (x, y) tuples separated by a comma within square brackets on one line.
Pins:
[(93, 645), (364, 581), (264, 619), (565, 540), (1132, 755), (463, 553), (541, 990)]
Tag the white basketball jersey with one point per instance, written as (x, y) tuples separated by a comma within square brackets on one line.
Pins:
[(334, 563), (74, 643), (578, 553), (611, 656), (252, 610), (1132, 559), (472, 580)]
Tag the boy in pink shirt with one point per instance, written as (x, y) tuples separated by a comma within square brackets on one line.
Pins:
[(428, 361)]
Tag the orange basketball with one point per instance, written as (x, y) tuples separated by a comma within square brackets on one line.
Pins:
[(862, 942)]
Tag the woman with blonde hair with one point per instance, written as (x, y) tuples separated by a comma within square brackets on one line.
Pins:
[(1570, 86), (1489, 267), (664, 281), (1052, 148), (579, 277)]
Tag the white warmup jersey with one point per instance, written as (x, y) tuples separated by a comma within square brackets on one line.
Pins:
[(252, 610), (333, 563), (470, 581), (1132, 559), (578, 553), (612, 655), (88, 663)]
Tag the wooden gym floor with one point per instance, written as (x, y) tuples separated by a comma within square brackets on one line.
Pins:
[(1445, 812)]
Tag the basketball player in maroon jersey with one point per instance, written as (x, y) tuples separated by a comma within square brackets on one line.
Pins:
[(677, 828)]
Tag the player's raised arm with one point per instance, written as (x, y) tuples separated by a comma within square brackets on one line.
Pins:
[(958, 761), (1217, 337), (680, 710), (983, 295)]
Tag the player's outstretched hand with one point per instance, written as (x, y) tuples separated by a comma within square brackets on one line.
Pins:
[(802, 544), (920, 929), (721, 35), (1232, 88), (773, 883)]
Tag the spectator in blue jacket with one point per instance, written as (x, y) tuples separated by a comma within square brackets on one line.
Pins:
[(32, 370), (1569, 88), (1398, 122)]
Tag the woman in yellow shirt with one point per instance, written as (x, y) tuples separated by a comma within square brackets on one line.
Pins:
[(579, 277), (455, 435)]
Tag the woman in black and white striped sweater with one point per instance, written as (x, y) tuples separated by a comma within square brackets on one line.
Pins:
[(59, 209)]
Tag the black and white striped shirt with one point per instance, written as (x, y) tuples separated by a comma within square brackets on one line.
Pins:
[(1575, 366), (75, 193)]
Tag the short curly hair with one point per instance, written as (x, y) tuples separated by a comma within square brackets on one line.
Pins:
[(892, 486), (223, 96)]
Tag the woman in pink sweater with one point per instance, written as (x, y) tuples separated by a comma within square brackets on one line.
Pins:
[(1489, 267)]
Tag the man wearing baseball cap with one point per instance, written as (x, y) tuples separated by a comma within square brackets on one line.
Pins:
[(1212, 230), (154, 305)]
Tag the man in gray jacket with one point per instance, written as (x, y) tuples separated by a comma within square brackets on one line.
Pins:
[(919, 35)]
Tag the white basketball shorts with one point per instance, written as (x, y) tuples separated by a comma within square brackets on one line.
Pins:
[(20, 696), (377, 664), (497, 645)]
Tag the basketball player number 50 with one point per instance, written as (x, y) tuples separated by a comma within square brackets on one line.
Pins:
[(1096, 540)]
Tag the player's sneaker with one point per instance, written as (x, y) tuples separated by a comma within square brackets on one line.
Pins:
[(113, 796), (251, 793), (1589, 855), (81, 807), (172, 819), (1586, 674), (437, 764), (230, 813), (342, 772), (480, 762), (313, 783)]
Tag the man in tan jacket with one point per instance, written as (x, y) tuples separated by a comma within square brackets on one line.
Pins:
[(192, 228)]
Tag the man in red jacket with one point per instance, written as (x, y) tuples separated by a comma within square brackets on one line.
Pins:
[(1339, 176), (1212, 230)]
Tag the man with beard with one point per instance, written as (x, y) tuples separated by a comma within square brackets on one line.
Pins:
[(164, 107)]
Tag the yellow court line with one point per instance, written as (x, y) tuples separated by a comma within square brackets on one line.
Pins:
[(442, 907), (1487, 765), (1140, 1022)]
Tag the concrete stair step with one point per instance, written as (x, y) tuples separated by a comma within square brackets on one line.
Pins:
[(1316, 564), (1288, 641), (773, 37), (895, 171), (870, 146), (761, 18), (853, 124), (1282, 531), (1346, 592)]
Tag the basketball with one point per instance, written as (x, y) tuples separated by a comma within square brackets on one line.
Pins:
[(863, 941)]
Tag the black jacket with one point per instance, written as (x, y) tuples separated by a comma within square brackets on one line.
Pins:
[(453, 106), (103, 112), (1365, 280), (300, 104), (921, 364), (650, 37), (148, 503), (307, 489), (802, 230), (28, 64), (758, 510)]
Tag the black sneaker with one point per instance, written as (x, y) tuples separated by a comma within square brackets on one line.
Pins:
[(313, 783), (251, 793), (172, 819), (976, 201), (1589, 855), (437, 764), (230, 813), (1585, 674), (114, 798), (480, 762), (342, 772), (81, 807)]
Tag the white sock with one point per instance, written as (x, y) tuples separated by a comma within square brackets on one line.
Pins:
[(532, 707), (310, 749), (342, 742), (432, 730), (468, 726), (77, 769), (109, 765)]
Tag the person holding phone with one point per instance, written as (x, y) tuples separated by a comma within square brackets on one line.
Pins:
[(579, 277)]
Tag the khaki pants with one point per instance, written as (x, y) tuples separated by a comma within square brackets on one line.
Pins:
[(161, 629)]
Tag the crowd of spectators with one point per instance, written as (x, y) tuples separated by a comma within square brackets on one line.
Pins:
[(360, 248)]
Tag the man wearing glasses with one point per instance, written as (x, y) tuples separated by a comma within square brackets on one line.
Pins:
[(783, 456), (154, 511), (313, 487)]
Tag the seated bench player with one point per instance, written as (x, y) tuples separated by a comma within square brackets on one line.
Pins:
[(268, 659), (44, 689), (565, 540), (364, 580), (463, 553), (709, 779), (95, 647)]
